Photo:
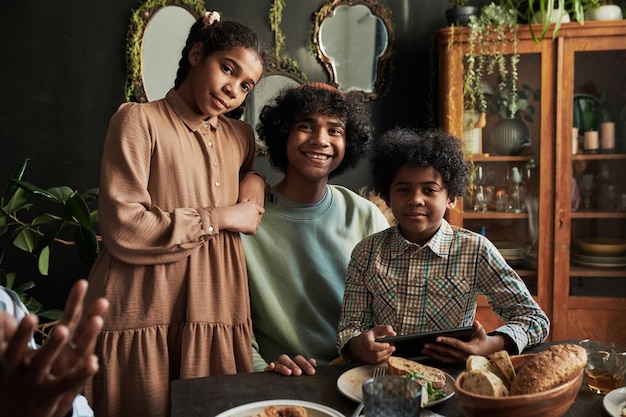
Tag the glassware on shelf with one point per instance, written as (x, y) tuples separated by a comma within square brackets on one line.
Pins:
[(517, 191), (586, 189), (483, 196)]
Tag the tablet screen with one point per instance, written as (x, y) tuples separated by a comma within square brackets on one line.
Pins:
[(411, 345)]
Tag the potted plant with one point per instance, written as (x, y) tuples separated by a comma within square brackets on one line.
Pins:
[(510, 135), (460, 12), (548, 12), (35, 220)]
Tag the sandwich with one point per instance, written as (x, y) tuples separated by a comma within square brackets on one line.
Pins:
[(407, 367)]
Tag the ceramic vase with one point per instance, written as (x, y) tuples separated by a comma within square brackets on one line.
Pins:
[(459, 16), (509, 136)]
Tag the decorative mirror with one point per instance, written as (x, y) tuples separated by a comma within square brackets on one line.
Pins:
[(354, 40), (156, 37), (280, 73)]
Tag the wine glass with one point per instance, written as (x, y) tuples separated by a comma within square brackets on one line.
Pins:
[(586, 188), (484, 194)]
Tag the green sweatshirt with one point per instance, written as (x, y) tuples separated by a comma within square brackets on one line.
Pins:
[(296, 265)]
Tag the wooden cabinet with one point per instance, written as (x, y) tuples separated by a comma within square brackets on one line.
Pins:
[(544, 198)]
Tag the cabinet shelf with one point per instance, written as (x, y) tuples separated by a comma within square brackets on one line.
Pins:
[(598, 215), (485, 157), (496, 215)]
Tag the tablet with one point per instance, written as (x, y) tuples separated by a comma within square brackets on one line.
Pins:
[(411, 345)]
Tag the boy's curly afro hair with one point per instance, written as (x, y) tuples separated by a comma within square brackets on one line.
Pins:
[(416, 147), (277, 117)]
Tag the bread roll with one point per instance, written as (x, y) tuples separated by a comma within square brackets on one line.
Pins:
[(481, 363), (502, 361), (549, 368), (402, 366), (483, 382)]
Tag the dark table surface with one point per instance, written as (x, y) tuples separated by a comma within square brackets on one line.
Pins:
[(209, 396)]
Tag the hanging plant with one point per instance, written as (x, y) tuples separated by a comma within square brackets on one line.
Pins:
[(490, 34)]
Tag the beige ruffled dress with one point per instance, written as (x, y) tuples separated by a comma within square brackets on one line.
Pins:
[(176, 283)]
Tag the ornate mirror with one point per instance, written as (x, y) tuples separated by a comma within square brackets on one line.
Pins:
[(156, 36), (354, 41), (279, 75)]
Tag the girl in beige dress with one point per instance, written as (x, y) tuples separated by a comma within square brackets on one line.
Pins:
[(176, 189)]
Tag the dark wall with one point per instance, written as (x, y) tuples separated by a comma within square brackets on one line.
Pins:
[(62, 76)]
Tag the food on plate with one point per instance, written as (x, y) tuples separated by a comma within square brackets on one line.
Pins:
[(290, 411), (623, 410), (550, 368), (484, 382), (495, 375), (402, 366), (433, 380)]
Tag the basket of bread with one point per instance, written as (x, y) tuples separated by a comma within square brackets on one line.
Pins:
[(542, 384)]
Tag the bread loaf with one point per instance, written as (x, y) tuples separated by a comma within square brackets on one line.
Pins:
[(484, 382), (402, 366), (549, 368)]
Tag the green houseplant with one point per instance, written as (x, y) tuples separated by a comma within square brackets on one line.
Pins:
[(548, 12), (490, 32), (35, 220)]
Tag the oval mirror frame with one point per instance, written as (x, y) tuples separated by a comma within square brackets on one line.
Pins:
[(384, 58), (279, 75), (135, 88)]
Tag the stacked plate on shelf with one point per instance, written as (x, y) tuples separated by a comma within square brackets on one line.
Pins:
[(512, 251), (601, 252)]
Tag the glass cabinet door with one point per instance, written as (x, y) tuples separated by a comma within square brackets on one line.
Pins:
[(509, 200), (505, 197), (593, 228)]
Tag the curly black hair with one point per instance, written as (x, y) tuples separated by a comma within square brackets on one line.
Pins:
[(418, 147), (277, 117)]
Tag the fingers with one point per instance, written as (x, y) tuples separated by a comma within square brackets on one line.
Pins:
[(74, 306), (18, 345), (44, 357), (87, 334), (296, 367), (307, 366)]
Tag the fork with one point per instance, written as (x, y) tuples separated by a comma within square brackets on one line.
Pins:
[(379, 371)]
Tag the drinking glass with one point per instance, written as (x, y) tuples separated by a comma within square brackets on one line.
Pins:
[(606, 364), (391, 396), (484, 194)]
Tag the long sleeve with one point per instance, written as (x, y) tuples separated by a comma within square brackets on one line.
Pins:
[(161, 180)]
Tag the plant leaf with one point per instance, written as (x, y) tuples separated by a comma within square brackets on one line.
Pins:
[(26, 240), (33, 189), (17, 201), (79, 210), (86, 245), (44, 261), (10, 187), (62, 193)]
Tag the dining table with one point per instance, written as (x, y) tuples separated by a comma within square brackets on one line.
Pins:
[(212, 395)]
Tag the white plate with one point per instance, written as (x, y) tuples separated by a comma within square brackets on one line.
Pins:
[(612, 401), (252, 409), (598, 264), (349, 384)]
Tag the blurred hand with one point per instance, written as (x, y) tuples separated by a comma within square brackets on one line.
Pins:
[(44, 382)]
